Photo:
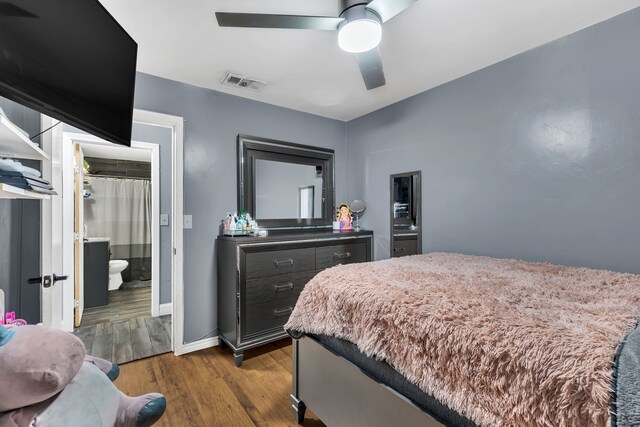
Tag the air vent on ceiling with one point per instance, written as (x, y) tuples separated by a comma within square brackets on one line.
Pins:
[(243, 82)]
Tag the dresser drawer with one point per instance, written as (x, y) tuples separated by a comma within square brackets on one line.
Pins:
[(267, 316), (346, 253), (273, 288), (405, 247), (265, 264)]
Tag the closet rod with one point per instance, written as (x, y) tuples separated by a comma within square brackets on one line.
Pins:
[(117, 177)]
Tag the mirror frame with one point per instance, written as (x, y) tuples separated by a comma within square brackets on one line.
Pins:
[(251, 148)]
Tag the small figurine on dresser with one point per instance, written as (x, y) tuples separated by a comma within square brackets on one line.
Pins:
[(344, 217)]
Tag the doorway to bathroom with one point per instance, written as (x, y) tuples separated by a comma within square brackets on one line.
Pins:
[(119, 244)]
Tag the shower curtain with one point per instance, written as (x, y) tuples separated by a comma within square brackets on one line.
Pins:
[(121, 210)]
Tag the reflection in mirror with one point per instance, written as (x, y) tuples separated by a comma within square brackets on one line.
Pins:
[(404, 203), (287, 190), (406, 221)]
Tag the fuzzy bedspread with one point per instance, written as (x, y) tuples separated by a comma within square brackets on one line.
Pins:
[(503, 342)]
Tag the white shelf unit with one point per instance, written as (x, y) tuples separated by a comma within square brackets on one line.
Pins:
[(11, 192), (15, 144)]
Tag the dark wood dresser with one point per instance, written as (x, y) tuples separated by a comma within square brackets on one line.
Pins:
[(260, 279), (404, 244)]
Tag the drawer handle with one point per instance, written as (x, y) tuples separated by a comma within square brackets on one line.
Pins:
[(283, 312), (286, 287), (285, 262), (344, 255), (399, 249)]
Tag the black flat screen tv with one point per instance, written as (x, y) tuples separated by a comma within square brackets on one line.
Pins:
[(71, 60)]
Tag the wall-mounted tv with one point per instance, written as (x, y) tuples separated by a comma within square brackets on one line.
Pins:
[(71, 60)]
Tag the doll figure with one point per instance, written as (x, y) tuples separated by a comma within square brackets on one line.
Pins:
[(344, 217)]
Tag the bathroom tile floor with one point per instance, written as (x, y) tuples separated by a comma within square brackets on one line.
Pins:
[(124, 330)]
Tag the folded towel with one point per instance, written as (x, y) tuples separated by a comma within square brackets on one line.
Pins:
[(10, 165), (13, 165), (31, 171)]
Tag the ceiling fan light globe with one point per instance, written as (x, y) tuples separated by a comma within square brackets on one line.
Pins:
[(360, 35)]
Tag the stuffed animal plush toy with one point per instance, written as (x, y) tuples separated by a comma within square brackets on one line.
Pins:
[(48, 381)]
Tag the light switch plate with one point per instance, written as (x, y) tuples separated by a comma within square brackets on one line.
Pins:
[(188, 221), (164, 219)]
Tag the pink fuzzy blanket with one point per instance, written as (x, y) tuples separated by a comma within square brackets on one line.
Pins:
[(503, 342)]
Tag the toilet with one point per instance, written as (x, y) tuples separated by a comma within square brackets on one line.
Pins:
[(115, 273)]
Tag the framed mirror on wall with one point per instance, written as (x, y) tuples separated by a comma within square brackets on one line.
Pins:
[(285, 185), (405, 214)]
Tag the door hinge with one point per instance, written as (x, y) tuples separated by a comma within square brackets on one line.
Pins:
[(76, 304), (76, 169), (175, 252), (76, 236)]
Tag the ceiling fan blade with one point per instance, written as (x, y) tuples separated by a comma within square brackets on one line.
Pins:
[(370, 63), (257, 20), (387, 9)]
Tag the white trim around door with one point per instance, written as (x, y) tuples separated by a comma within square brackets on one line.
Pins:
[(177, 264)]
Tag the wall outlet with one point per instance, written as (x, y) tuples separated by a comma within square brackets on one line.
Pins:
[(164, 219), (188, 221)]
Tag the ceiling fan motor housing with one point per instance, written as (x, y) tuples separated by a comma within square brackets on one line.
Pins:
[(352, 10), (346, 4)]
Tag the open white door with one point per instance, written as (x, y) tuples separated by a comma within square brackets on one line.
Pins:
[(52, 233), (78, 169)]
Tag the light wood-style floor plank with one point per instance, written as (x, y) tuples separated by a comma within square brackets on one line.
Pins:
[(122, 341), (123, 305), (205, 388)]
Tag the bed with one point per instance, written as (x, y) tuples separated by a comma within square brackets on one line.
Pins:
[(458, 340)]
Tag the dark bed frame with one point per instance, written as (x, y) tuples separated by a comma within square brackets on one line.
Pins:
[(340, 394)]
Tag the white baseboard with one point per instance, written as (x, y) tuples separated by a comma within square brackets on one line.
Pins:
[(200, 345), (165, 309)]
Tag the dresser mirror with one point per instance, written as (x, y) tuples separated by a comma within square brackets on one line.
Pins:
[(285, 185), (406, 218)]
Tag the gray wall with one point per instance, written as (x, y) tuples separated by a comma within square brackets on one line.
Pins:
[(212, 122), (20, 232), (163, 137), (537, 157)]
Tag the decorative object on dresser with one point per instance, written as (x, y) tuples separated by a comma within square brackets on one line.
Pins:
[(260, 279), (406, 214), (357, 208)]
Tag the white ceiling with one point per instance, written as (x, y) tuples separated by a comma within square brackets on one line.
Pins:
[(431, 43), (112, 151)]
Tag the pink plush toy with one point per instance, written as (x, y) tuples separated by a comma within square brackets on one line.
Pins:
[(48, 381)]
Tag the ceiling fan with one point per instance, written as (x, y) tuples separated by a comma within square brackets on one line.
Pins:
[(358, 25)]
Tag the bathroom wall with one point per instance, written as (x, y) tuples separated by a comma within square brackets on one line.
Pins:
[(119, 168), (20, 232), (536, 157), (212, 122)]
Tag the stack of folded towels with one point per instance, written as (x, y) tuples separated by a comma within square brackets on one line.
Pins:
[(15, 174)]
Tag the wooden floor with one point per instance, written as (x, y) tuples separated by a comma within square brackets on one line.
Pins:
[(124, 330), (123, 305), (124, 340), (206, 389)]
